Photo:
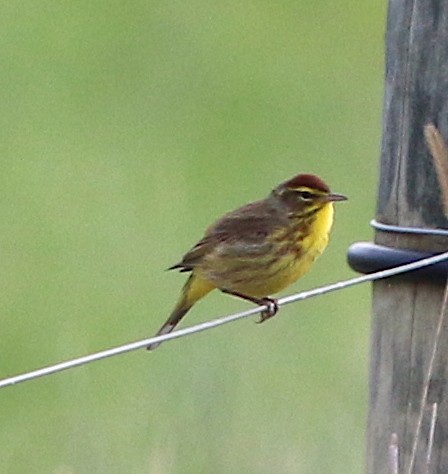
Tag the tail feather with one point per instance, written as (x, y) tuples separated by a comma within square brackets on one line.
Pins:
[(195, 288), (178, 313)]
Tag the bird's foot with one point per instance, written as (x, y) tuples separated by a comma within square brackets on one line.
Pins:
[(272, 308), (271, 303)]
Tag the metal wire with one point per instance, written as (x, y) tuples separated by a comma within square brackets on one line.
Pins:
[(401, 229), (219, 321)]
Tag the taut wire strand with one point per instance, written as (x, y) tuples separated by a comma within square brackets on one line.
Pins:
[(403, 229), (220, 321)]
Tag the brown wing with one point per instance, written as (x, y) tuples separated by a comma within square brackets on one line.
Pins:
[(244, 231), (195, 255)]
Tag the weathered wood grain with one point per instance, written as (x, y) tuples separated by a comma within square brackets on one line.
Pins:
[(405, 314)]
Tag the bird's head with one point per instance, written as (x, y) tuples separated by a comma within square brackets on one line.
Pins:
[(305, 193)]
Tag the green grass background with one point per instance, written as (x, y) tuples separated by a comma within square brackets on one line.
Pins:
[(126, 128)]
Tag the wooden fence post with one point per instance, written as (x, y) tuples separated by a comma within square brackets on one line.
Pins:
[(405, 313)]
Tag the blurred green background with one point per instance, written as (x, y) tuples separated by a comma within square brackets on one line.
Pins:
[(126, 128)]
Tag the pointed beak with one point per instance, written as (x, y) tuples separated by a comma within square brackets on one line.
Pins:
[(333, 197)]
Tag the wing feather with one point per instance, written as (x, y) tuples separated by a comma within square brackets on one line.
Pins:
[(245, 232)]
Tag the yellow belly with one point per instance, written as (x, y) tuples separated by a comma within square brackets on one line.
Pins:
[(261, 280)]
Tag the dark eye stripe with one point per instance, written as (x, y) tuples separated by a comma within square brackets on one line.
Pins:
[(306, 195)]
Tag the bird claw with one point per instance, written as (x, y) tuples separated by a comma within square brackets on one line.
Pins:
[(272, 308)]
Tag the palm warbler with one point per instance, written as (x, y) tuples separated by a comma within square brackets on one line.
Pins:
[(260, 248)]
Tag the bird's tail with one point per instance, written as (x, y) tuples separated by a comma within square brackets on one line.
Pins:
[(194, 289)]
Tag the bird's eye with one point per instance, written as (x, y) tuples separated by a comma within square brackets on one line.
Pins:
[(305, 195)]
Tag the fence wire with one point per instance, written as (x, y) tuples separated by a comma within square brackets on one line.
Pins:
[(143, 343)]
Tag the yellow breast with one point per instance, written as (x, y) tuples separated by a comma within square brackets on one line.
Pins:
[(317, 239), (293, 263), (309, 248)]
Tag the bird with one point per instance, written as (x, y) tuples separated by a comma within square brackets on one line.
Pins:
[(260, 248)]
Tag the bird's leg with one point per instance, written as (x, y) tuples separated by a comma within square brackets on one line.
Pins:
[(271, 303)]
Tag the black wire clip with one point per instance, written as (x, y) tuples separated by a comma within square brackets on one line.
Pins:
[(367, 257)]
